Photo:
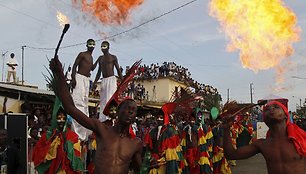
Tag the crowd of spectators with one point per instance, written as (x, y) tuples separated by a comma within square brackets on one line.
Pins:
[(299, 120), (39, 120), (166, 69), (137, 92), (177, 72), (154, 71)]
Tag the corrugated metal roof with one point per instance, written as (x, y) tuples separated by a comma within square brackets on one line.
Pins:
[(25, 89)]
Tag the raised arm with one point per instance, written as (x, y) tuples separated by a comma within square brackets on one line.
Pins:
[(118, 68), (75, 65), (64, 95), (236, 154)]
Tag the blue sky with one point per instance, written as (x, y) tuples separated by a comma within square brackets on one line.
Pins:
[(188, 36)]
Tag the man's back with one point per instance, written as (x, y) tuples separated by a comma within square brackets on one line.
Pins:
[(281, 156), (119, 151)]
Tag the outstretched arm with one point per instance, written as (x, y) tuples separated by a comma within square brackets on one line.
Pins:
[(236, 154), (64, 95)]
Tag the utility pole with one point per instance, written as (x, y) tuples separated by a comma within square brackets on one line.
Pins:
[(3, 56), (228, 91), (251, 91), (22, 62)]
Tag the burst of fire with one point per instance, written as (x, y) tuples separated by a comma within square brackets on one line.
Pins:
[(109, 11), (62, 19), (263, 30)]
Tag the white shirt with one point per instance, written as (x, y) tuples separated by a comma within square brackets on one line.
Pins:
[(134, 127), (158, 132), (12, 61), (69, 76)]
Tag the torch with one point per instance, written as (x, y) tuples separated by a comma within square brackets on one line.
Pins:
[(66, 27), (232, 116)]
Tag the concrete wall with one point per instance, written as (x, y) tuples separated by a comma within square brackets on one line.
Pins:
[(11, 105), (164, 88)]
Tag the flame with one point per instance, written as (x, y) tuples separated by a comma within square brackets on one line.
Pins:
[(62, 19), (263, 30), (109, 11)]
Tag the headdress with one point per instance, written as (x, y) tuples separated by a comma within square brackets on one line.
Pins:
[(184, 101), (116, 99), (230, 108), (168, 109)]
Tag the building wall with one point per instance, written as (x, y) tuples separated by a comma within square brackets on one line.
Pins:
[(11, 105), (164, 88)]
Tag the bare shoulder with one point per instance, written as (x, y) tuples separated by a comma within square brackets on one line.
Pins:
[(114, 57), (100, 58), (137, 141), (100, 126), (81, 54)]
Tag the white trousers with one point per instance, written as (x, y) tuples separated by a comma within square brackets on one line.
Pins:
[(108, 88), (80, 98)]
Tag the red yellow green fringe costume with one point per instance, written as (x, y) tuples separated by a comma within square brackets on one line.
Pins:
[(166, 150), (56, 151), (220, 164)]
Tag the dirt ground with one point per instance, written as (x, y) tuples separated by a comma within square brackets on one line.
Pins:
[(253, 165)]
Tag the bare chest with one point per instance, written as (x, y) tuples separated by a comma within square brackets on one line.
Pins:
[(107, 60), (120, 149), (280, 151), (87, 60)]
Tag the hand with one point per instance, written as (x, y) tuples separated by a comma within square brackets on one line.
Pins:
[(55, 65)]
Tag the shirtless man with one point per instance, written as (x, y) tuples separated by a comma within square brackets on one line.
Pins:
[(107, 62), (80, 85), (284, 148), (115, 149)]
